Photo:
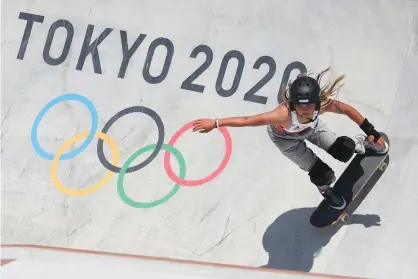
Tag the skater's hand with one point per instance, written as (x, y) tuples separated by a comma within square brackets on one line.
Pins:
[(203, 125), (380, 141)]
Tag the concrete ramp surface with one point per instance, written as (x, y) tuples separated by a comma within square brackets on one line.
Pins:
[(48, 262), (97, 103)]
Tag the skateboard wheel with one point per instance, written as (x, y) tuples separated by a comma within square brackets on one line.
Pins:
[(345, 218), (383, 166)]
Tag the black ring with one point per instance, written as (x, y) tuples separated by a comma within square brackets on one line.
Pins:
[(118, 115)]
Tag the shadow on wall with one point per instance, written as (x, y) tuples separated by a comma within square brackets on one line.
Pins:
[(292, 242)]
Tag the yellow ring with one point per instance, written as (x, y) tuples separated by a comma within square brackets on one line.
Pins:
[(65, 146)]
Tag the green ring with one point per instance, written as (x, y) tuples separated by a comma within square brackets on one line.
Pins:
[(129, 201)]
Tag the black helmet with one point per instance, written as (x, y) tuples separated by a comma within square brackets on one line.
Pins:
[(304, 90)]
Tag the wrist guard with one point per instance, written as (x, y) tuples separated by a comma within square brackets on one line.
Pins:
[(368, 128)]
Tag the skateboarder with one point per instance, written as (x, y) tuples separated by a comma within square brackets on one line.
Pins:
[(296, 119)]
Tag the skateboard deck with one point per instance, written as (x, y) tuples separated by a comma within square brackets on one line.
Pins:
[(358, 178)]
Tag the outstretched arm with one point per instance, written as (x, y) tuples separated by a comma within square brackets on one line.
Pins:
[(276, 116), (342, 108), (272, 117), (353, 114)]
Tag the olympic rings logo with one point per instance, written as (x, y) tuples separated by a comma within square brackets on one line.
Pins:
[(126, 167)]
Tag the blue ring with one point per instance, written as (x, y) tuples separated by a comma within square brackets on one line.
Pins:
[(41, 114)]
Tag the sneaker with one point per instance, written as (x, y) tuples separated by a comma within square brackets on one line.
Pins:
[(334, 200), (359, 141), (362, 143)]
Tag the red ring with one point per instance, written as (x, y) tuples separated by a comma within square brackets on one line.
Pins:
[(183, 182)]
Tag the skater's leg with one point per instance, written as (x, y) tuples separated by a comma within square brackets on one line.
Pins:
[(323, 136), (341, 148), (321, 175), (295, 149)]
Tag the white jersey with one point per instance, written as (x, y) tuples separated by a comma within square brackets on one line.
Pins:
[(297, 127)]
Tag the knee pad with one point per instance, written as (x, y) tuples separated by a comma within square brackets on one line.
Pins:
[(321, 174), (342, 149)]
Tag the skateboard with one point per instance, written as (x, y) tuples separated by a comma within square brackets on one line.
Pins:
[(358, 178)]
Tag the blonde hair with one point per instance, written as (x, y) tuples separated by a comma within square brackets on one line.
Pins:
[(327, 91)]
